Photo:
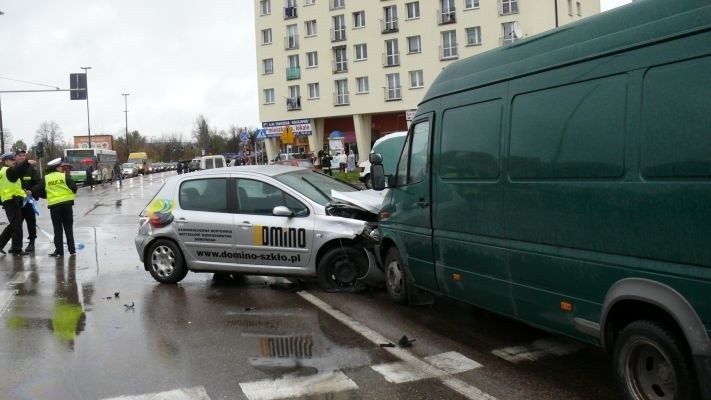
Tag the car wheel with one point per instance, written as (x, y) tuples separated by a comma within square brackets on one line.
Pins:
[(165, 262), (651, 363), (396, 282), (368, 182), (341, 267)]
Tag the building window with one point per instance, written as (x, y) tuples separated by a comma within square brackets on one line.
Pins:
[(292, 38), (570, 7), (509, 32), (293, 102), (338, 33), (340, 61), (359, 19), (471, 4), (473, 36), (310, 27), (309, 2), (314, 90), (294, 69), (413, 10), (290, 9), (579, 9), (265, 6), (268, 96), (447, 15), (509, 7), (267, 36), (416, 79), (414, 45), (362, 85), (361, 52), (392, 54), (341, 95), (268, 65), (336, 4), (390, 19), (449, 45), (312, 59), (393, 91)]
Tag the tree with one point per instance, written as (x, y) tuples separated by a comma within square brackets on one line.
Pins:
[(201, 133), (19, 145), (51, 135)]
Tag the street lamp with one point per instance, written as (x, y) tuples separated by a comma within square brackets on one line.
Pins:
[(125, 111), (2, 131), (88, 124)]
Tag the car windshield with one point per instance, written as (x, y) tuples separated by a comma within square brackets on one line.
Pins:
[(128, 165), (315, 186)]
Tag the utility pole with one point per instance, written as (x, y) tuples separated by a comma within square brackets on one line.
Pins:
[(88, 124), (2, 131), (125, 111)]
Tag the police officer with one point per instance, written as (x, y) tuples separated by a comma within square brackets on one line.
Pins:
[(12, 196), (59, 189), (29, 178)]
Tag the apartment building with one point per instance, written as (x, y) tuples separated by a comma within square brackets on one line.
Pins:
[(351, 71)]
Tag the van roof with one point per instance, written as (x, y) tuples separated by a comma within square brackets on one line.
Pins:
[(637, 24)]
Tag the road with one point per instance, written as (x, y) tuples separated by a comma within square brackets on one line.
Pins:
[(97, 326)]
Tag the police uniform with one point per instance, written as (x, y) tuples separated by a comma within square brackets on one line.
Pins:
[(29, 179), (59, 189), (12, 195)]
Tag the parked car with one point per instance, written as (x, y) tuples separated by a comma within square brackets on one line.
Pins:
[(261, 220), (303, 163), (129, 170), (389, 146)]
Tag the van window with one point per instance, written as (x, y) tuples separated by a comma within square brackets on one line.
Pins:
[(676, 120), (204, 195), (413, 162), (471, 138), (219, 163), (572, 131), (209, 163)]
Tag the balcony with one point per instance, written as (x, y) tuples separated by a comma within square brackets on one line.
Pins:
[(291, 42), (341, 99), (338, 35), (393, 93), (293, 73), (389, 26), (340, 66), (446, 17), (448, 52), (391, 59), (293, 103), (290, 12)]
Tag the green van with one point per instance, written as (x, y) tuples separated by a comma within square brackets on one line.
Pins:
[(565, 181)]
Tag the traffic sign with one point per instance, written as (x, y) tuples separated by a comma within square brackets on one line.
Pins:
[(261, 134), (244, 136)]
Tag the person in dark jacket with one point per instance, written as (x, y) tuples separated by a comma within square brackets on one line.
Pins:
[(89, 176), (12, 195), (59, 189), (30, 178)]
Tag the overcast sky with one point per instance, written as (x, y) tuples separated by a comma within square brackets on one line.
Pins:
[(177, 59)]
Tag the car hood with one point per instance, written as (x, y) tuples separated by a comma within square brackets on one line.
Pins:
[(369, 200)]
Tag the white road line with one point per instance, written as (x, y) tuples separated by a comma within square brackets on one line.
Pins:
[(283, 388), (422, 367), (19, 278), (5, 299), (537, 350), (195, 393), (449, 363)]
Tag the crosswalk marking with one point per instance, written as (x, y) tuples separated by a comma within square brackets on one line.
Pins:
[(289, 387), (195, 393), (459, 386), (537, 350), (448, 363)]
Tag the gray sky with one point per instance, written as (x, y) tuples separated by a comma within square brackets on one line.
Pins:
[(177, 59)]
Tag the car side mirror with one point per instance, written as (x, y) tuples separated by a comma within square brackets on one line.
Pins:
[(377, 171), (375, 158), (282, 211)]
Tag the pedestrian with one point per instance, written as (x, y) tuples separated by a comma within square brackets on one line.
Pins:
[(59, 189), (180, 168), (29, 178), (12, 196), (90, 175), (351, 161), (117, 173), (342, 161), (326, 163)]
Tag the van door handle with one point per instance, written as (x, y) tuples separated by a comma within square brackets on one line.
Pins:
[(245, 224), (181, 221), (422, 203)]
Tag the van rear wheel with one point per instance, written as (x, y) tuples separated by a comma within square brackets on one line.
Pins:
[(396, 281), (651, 363)]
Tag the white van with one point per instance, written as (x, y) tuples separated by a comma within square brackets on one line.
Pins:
[(209, 162), (389, 146)]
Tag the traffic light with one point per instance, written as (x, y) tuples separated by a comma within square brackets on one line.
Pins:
[(40, 150)]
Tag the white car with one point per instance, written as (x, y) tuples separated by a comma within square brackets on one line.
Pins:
[(389, 146), (261, 220), (129, 170)]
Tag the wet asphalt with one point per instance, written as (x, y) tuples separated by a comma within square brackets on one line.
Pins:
[(97, 326)]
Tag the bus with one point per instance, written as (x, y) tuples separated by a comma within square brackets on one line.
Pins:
[(564, 181), (144, 165), (103, 161)]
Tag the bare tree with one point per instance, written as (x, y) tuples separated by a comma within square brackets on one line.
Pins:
[(51, 135)]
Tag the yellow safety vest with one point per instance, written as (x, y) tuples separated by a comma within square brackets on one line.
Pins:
[(55, 184), (8, 189)]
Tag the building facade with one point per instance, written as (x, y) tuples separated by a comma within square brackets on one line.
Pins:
[(355, 70)]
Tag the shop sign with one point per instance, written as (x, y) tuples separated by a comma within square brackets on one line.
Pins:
[(300, 127)]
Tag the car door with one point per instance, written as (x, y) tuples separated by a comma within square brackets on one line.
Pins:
[(264, 240), (203, 222)]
